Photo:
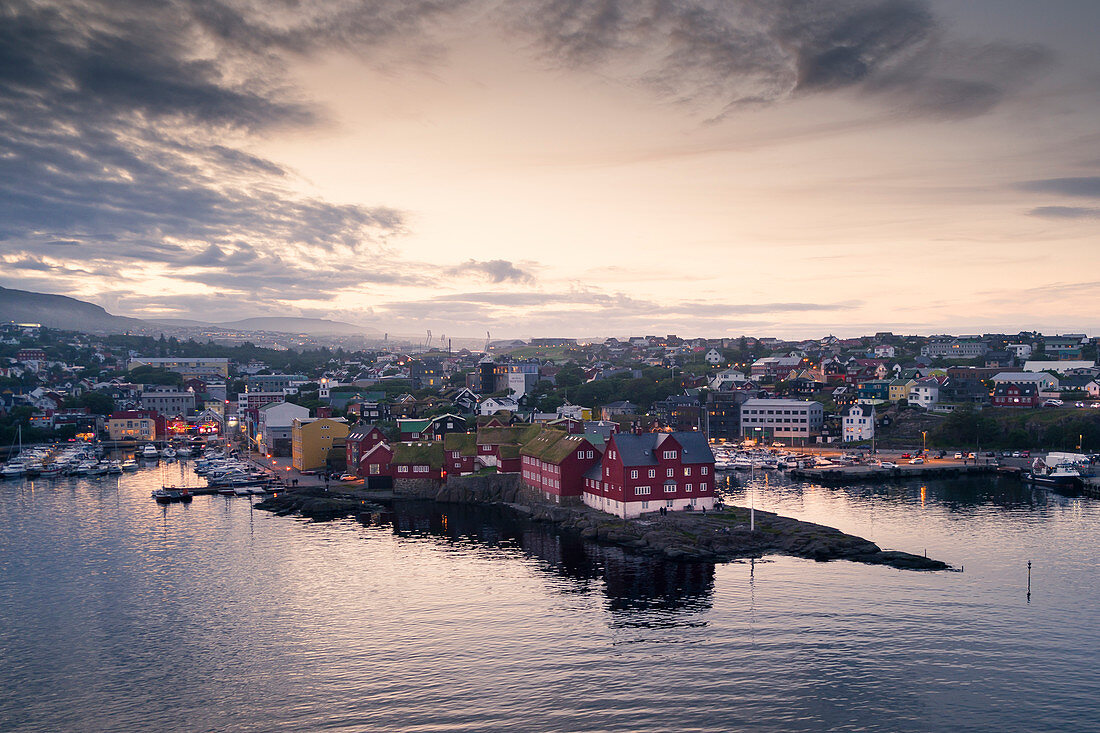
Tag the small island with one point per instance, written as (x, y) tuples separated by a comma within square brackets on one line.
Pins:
[(720, 535)]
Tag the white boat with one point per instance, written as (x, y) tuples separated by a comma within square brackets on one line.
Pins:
[(183, 452), (168, 452), (129, 465), (13, 469), (114, 467), (150, 452)]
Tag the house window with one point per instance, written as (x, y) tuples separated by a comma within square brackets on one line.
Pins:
[(670, 472), (669, 503), (670, 455), (688, 488), (703, 471), (588, 454), (687, 470), (670, 488), (633, 474), (642, 490)]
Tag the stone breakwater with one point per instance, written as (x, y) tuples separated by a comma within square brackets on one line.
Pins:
[(717, 536)]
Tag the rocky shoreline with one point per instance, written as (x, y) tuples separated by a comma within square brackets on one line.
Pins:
[(717, 536)]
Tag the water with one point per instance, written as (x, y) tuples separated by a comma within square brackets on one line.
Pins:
[(117, 614)]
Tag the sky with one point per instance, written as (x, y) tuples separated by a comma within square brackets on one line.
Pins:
[(576, 168)]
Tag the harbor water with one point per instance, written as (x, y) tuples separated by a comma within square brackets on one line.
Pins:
[(119, 614)]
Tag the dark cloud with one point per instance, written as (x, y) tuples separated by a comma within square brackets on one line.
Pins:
[(1065, 212), (743, 52), (116, 122), (497, 271), (1086, 187)]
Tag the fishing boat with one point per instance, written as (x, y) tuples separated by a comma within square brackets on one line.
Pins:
[(129, 465), (1058, 471), (149, 452)]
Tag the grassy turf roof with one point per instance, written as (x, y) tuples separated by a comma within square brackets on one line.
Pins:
[(419, 454), (514, 435), (464, 443)]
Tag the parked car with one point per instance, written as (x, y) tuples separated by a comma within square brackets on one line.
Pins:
[(888, 464), (918, 459), (906, 455), (941, 454), (1053, 403), (349, 477), (958, 456), (1025, 454), (971, 456)]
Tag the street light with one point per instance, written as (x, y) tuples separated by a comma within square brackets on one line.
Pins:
[(924, 441)]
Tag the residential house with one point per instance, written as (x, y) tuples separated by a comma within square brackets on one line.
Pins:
[(925, 393), (492, 405), (358, 443), (414, 430), (857, 423), (638, 474), (713, 357), (622, 407), (873, 391), (1010, 394), (460, 453), (500, 447), (899, 389), (1042, 380)]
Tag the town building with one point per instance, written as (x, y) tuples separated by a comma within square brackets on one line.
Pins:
[(925, 393), (644, 473), (418, 460), (460, 453), (1016, 395), (554, 462), (136, 425), (857, 423), (773, 419), (273, 429), (359, 443), (167, 401), (198, 366), (955, 349), (311, 439), (1043, 381)]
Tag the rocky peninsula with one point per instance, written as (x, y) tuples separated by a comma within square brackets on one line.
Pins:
[(716, 536)]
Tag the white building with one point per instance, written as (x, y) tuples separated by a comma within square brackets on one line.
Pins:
[(727, 379), (884, 352), (713, 357), (492, 405), (1045, 382), (1020, 351), (767, 419), (924, 394), (858, 423), (1068, 366)]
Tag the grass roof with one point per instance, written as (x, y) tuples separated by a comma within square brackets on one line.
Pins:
[(420, 454), (464, 443)]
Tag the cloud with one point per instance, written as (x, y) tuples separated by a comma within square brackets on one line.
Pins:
[(744, 53), (1065, 212), (1088, 186), (498, 271)]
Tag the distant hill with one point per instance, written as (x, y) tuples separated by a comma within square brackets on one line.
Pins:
[(60, 311), (290, 324)]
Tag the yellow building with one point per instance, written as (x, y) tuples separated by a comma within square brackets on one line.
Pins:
[(899, 389), (312, 438), (131, 425)]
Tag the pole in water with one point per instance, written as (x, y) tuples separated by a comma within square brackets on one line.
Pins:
[(1029, 581)]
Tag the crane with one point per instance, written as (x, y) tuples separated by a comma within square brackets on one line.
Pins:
[(487, 342)]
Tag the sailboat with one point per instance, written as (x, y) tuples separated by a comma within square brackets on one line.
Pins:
[(15, 469)]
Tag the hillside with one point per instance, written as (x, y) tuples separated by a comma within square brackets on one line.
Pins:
[(60, 311), (288, 324)]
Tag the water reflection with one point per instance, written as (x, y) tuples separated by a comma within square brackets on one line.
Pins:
[(640, 590)]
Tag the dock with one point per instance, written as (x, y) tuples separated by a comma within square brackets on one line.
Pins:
[(853, 474)]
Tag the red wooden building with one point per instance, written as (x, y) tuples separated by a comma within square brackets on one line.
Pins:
[(554, 463), (359, 442), (1016, 395), (460, 453), (644, 473)]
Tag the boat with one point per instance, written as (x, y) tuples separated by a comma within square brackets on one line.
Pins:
[(114, 467), (129, 465), (169, 453), (1057, 471), (169, 494), (13, 469), (149, 452)]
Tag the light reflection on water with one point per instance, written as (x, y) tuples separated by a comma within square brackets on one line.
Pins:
[(119, 614)]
